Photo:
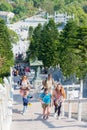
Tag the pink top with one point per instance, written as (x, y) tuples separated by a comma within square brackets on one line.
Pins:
[(56, 95)]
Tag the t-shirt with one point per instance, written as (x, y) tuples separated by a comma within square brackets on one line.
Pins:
[(46, 98), (25, 83)]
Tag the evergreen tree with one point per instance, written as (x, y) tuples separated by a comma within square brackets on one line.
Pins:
[(35, 41), (30, 32), (48, 52), (72, 50), (5, 50), (44, 44), (82, 46)]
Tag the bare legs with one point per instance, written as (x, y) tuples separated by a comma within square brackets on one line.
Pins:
[(46, 112)]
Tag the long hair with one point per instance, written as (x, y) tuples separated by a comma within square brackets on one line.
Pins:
[(62, 91)]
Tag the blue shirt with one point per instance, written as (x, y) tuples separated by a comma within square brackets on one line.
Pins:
[(46, 98)]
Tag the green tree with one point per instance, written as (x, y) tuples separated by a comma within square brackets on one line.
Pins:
[(48, 52), (13, 36), (72, 50), (30, 32), (19, 9), (48, 5), (35, 41), (82, 46), (5, 50), (44, 44), (6, 7)]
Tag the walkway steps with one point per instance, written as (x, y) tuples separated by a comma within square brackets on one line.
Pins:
[(32, 120)]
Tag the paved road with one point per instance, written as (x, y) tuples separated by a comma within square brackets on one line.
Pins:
[(32, 120)]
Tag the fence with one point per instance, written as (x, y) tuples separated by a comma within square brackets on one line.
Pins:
[(6, 99), (74, 90), (75, 108)]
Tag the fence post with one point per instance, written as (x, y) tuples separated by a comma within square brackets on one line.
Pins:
[(67, 92), (62, 114), (69, 109), (81, 89), (1, 115), (79, 102), (79, 110)]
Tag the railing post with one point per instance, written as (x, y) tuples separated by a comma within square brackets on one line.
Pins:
[(81, 89), (67, 92), (1, 115), (69, 110), (62, 113), (79, 102), (79, 110)]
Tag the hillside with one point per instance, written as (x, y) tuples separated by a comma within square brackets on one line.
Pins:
[(24, 8)]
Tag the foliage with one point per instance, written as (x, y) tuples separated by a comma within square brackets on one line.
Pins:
[(19, 9), (35, 41), (44, 44), (30, 32), (46, 8), (69, 48), (5, 50), (48, 44), (25, 8), (73, 50), (4, 6), (13, 36)]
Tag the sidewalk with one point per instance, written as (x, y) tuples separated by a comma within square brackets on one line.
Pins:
[(32, 120)]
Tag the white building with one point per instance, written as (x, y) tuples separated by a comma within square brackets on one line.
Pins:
[(58, 18), (7, 16)]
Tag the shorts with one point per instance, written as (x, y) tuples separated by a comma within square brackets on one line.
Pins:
[(45, 105)]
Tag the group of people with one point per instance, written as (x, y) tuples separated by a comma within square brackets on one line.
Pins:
[(21, 70), (24, 92), (52, 94)]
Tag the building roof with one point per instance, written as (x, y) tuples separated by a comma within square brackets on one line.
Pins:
[(36, 63)]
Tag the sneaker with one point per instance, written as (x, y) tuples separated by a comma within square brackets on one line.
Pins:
[(46, 117), (55, 115), (43, 117), (58, 118)]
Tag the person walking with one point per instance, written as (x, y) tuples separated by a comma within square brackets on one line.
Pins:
[(48, 83), (58, 96), (25, 82), (25, 102), (45, 99), (25, 86)]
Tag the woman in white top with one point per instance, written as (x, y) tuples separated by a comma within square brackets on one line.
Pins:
[(48, 83), (25, 82), (25, 85)]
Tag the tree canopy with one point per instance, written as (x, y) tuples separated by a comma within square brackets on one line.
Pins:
[(67, 48), (25, 8), (6, 55)]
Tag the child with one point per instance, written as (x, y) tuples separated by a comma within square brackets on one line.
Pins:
[(25, 101), (45, 99)]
